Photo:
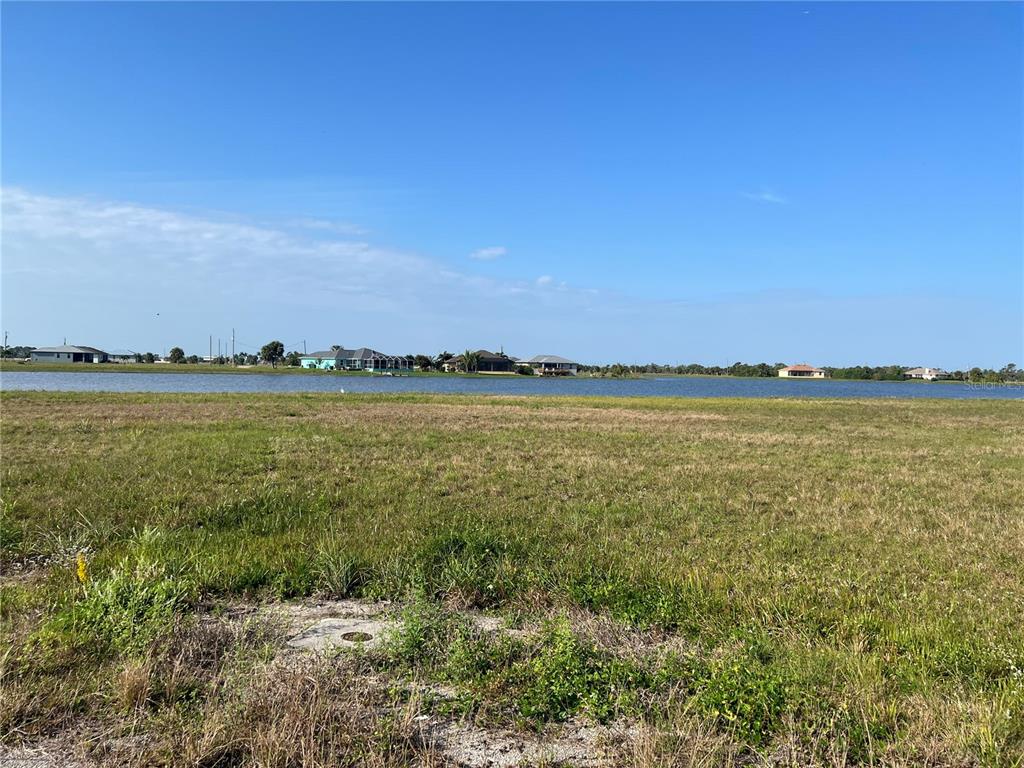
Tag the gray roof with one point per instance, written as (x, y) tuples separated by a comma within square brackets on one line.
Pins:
[(363, 353), (325, 354), (71, 348), (924, 370), (549, 359)]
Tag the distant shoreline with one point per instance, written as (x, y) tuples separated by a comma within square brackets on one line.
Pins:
[(9, 366), (201, 368)]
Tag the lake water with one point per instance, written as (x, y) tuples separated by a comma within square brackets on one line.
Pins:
[(496, 385)]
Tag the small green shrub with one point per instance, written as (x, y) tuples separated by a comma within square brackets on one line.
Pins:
[(448, 645), (745, 693), (682, 606), (567, 676), (424, 636), (124, 612), (294, 580), (474, 657)]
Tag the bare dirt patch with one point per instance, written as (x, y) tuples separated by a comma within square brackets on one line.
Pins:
[(347, 624), (325, 627), (576, 743)]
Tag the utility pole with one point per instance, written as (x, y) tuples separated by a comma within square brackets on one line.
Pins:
[(211, 347), (303, 344), (232, 346)]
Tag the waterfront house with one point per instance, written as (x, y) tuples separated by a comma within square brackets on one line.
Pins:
[(802, 371), (486, 362), (551, 365), (362, 359), (494, 362), (69, 353), (928, 374), (121, 356)]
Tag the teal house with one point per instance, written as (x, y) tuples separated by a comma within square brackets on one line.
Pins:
[(362, 359)]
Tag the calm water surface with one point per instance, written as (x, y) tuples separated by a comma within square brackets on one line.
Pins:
[(496, 385)]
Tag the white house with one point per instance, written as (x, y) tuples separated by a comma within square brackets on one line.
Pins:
[(552, 365), (68, 353), (928, 374), (802, 371)]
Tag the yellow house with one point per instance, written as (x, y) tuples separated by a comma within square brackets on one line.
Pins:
[(802, 371)]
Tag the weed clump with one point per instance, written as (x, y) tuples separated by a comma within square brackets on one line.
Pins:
[(745, 693), (124, 612), (473, 568), (11, 534), (425, 637), (551, 677), (339, 575), (565, 676)]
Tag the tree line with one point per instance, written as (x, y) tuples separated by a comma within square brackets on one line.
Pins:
[(1009, 372)]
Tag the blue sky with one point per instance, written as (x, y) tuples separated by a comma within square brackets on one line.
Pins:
[(835, 183)]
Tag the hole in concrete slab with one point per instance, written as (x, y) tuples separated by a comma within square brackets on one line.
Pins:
[(357, 637)]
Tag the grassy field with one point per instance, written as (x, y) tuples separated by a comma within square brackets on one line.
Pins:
[(812, 582)]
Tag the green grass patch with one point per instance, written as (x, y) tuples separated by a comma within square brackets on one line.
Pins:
[(844, 572), (123, 612)]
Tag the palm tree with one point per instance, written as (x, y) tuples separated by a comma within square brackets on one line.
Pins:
[(470, 360)]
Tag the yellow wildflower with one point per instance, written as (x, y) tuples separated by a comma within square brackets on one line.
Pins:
[(82, 569)]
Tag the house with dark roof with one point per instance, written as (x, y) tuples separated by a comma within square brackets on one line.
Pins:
[(552, 365), (487, 362), (69, 353), (802, 371), (362, 359), (494, 362)]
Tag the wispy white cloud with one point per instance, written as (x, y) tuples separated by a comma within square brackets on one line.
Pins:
[(110, 244), (766, 195), (327, 225), (101, 270), (489, 254)]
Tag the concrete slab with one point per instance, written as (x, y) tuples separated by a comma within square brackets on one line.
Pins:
[(576, 743), (341, 632)]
